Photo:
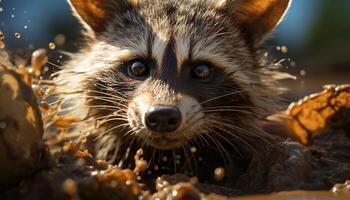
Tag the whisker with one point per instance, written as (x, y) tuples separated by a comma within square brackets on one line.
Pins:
[(184, 147), (228, 110), (111, 129), (193, 158), (115, 99), (109, 94), (114, 108), (55, 65), (228, 132), (220, 148), (249, 133), (227, 140), (221, 96)]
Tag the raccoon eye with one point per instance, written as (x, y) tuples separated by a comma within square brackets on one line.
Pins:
[(138, 70), (201, 72)]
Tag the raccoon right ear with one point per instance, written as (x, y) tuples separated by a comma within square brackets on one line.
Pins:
[(95, 14), (256, 18)]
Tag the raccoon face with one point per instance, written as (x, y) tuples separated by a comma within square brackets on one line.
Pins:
[(166, 72)]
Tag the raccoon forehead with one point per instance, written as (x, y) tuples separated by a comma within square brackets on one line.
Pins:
[(198, 33), (191, 42), (221, 52)]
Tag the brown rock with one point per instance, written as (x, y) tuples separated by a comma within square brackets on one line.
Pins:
[(20, 128), (312, 115)]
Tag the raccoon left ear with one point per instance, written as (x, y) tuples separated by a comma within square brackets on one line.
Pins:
[(256, 18), (96, 14)]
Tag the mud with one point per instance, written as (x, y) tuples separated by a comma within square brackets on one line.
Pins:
[(313, 156), (21, 129)]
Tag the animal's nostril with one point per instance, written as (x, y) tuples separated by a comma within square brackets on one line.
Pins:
[(163, 118), (152, 121)]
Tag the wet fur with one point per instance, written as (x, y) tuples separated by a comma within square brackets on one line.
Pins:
[(243, 92)]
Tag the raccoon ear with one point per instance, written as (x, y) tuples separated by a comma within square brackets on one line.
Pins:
[(95, 14), (256, 18)]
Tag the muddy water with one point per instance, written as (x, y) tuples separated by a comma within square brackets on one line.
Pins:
[(313, 155), (295, 195)]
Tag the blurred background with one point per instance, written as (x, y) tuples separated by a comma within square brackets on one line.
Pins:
[(312, 43)]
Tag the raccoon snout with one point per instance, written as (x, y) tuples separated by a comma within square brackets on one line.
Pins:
[(163, 118)]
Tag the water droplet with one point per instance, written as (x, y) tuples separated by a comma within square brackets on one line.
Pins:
[(12, 16), (60, 39), (193, 149), (156, 167), (44, 105), (70, 187), (25, 27), (18, 35), (219, 174), (39, 59), (293, 64), (302, 72), (52, 45), (1, 9), (347, 183), (284, 49), (3, 125), (2, 45)]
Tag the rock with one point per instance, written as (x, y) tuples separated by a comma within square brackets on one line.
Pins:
[(317, 113), (21, 128)]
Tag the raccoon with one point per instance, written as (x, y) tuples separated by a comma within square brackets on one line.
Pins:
[(182, 79)]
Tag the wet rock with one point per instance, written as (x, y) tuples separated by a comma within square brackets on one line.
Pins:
[(21, 130), (317, 113)]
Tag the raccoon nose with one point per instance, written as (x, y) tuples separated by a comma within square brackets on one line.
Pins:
[(161, 118)]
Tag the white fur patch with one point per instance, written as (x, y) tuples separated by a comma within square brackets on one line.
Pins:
[(143, 103), (159, 47), (182, 49), (188, 106)]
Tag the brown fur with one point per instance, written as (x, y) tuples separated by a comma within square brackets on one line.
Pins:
[(171, 37)]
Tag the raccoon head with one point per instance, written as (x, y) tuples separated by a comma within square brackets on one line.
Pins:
[(166, 72)]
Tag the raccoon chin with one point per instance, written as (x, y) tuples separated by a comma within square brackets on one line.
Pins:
[(166, 143)]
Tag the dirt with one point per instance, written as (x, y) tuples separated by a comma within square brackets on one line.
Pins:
[(313, 156)]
